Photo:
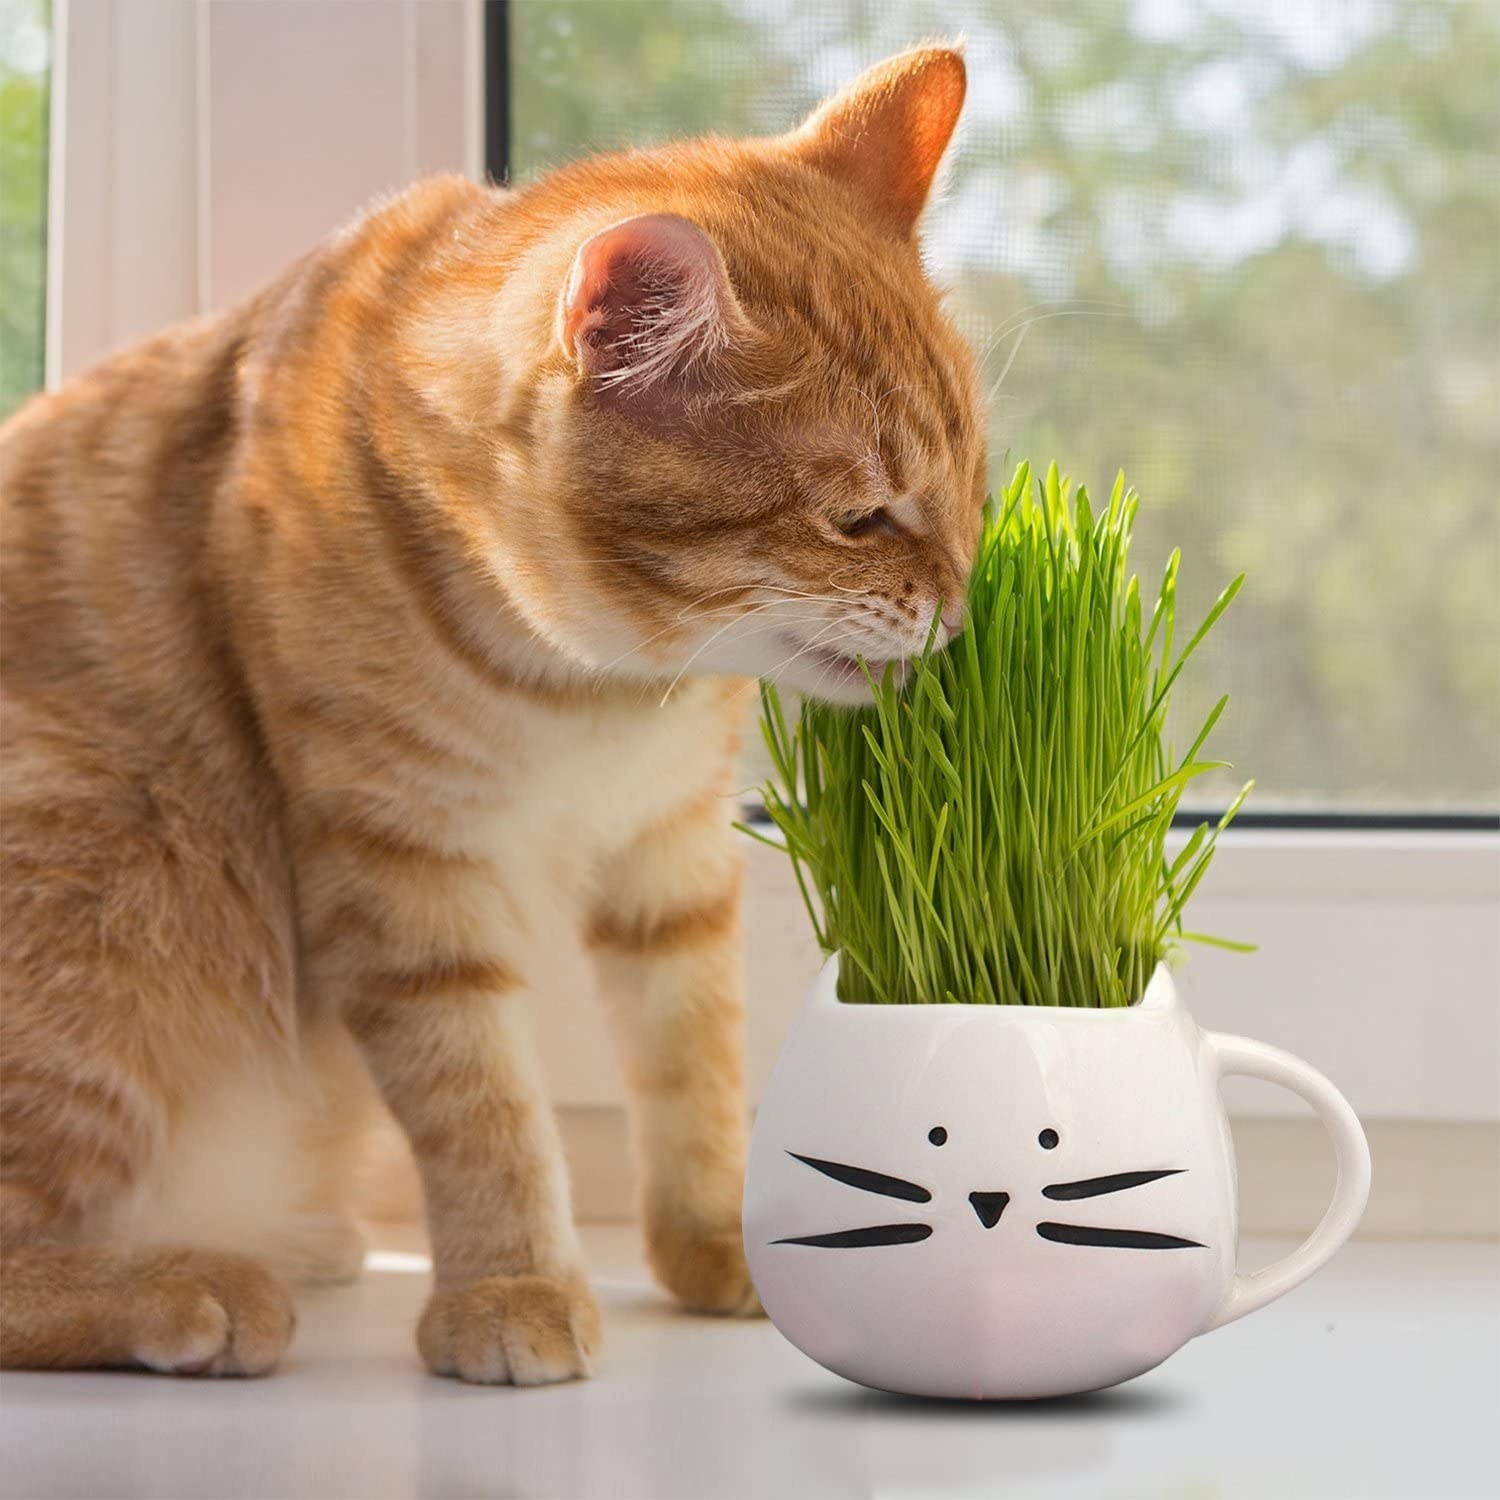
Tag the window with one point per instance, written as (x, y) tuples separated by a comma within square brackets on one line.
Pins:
[(1244, 249), (25, 48)]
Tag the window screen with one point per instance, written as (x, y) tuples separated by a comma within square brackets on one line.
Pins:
[(1244, 250)]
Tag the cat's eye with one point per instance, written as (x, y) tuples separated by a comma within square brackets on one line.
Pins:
[(877, 522), (1047, 1139), (937, 1135)]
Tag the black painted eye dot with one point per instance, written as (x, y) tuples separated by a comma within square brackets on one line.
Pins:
[(937, 1135), (1047, 1139)]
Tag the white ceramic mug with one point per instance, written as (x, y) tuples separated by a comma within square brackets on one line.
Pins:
[(1013, 1201)]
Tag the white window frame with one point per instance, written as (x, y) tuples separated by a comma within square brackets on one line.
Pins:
[(146, 159)]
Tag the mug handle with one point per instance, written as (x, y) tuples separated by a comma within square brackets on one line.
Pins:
[(1239, 1055)]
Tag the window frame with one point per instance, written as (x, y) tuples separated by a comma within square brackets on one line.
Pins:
[(497, 90)]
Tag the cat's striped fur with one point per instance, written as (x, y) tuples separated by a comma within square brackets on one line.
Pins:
[(374, 655)]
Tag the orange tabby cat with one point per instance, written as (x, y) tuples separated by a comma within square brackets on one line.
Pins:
[(373, 666)]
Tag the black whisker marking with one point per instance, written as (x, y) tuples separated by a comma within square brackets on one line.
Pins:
[(1092, 1187), (870, 1182), (857, 1239), (1118, 1239)]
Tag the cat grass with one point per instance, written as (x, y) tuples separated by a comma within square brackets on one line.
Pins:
[(993, 830)]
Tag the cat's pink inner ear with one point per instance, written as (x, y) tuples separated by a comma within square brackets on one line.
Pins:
[(885, 134), (645, 299)]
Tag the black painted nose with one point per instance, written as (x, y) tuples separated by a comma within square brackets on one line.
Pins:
[(989, 1207)]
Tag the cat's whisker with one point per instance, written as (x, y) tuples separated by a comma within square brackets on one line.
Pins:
[(760, 629), (820, 679), (825, 598), (849, 592), (836, 631), (729, 625), (655, 635), (1015, 349), (779, 623), (735, 612), (1042, 318), (767, 626), (1072, 307), (821, 641)]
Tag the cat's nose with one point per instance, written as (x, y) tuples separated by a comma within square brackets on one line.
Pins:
[(989, 1207)]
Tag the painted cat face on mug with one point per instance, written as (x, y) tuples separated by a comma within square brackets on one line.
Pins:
[(763, 430), (1021, 1202)]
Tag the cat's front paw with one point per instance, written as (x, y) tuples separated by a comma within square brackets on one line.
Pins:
[(200, 1312), (706, 1272), (511, 1330)]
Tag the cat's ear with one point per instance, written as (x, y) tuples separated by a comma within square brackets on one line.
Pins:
[(886, 132), (646, 300)]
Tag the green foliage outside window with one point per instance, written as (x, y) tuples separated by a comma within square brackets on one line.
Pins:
[(24, 46)]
